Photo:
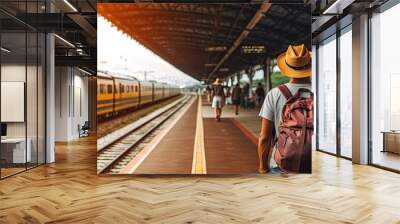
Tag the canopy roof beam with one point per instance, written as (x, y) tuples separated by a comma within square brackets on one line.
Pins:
[(265, 6)]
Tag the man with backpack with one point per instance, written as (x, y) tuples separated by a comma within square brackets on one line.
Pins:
[(287, 117)]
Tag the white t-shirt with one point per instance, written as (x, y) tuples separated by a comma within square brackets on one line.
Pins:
[(275, 100), (273, 105)]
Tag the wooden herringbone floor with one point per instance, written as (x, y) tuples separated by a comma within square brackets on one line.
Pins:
[(70, 192)]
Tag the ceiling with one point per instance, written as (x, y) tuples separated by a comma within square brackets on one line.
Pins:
[(181, 33), (73, 20)]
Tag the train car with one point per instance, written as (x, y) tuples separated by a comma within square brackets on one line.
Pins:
[(158, 91), (167, 88), (126, 94), (146, 92), (105, 94), (174, 90), (117, 94)]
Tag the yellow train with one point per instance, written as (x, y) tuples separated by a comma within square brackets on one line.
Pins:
[(117, 93)]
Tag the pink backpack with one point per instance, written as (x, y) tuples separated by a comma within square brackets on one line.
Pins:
[(295, 131)]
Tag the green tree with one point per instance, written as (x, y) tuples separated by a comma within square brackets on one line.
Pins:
[(277, 78)]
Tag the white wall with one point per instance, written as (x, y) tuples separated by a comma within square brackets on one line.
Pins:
[(16, 73), (33, 127), (71, 102), (61, 103)]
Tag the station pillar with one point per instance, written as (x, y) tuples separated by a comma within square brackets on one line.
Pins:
[(239, 77), (251, 75), (267, 74)]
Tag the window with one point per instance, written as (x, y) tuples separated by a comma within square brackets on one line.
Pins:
[(22, 65), (102, 88), (109, 89), (327, 95), (385, 89)]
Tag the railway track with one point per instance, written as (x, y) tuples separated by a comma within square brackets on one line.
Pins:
[(115, 156)]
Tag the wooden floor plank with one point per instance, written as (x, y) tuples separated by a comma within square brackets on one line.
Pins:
[(69, 191)]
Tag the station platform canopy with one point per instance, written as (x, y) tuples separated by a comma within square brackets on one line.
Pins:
[(213, 40)]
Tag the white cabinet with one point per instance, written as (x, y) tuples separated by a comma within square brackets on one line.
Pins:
[(16, 149)]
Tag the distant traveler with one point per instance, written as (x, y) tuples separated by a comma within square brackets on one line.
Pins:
[(260, 94), (236, 92), (288, 112), (218, 98), (252, 99), (228, 94), (208, 90), (245, 92)]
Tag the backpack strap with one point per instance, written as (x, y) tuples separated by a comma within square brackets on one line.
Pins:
[(285, 91)]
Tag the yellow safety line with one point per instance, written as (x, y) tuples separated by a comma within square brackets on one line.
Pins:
[(199, 155)]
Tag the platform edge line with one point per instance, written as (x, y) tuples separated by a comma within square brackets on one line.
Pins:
[(139, 159), (246, 131)]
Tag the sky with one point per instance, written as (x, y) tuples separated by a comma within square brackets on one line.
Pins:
[(119, 53)]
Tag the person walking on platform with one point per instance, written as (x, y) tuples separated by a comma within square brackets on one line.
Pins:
[(260, 94), (208, 92), (287, 117), (236, 92), (218, 98), (245, 93), (228, 95)]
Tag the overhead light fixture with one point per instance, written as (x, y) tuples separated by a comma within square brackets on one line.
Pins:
[(70, 5), (5, 50), (84, 71), (216, 49), (224, 69), (64, 40), (337, 7)]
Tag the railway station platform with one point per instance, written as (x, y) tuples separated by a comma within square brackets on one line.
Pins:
[(195, 143)]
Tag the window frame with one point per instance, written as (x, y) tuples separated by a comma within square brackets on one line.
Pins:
[(335, 36), (381, 9)]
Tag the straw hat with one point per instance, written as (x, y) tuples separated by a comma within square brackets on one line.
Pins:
[(295, 62), (217, 82)]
